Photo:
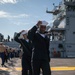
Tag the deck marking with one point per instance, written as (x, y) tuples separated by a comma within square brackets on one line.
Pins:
[(60, 68)]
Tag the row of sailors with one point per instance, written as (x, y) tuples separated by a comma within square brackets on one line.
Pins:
[(6, 53)]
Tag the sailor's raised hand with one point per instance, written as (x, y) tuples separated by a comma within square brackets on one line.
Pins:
[(22, 31), (39, 23)]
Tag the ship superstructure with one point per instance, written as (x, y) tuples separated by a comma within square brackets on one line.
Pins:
[(62, 43)]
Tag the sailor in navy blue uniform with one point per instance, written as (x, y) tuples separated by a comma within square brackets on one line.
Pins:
[(26, 45), (41, 57)]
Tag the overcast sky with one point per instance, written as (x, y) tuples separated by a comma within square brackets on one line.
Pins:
[(17, 15)]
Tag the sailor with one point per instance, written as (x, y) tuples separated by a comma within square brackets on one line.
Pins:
[(9, 52), (6, 54), (2, 52), (26, 45), (40, 41)]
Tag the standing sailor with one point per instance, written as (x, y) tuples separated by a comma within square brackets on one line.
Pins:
[(40, 41), (2, 52), (27, 51)]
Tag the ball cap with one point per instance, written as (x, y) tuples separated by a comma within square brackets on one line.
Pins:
[(44, 23)]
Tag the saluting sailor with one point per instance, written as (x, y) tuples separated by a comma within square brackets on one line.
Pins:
[(26, 45), (40, 41)]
